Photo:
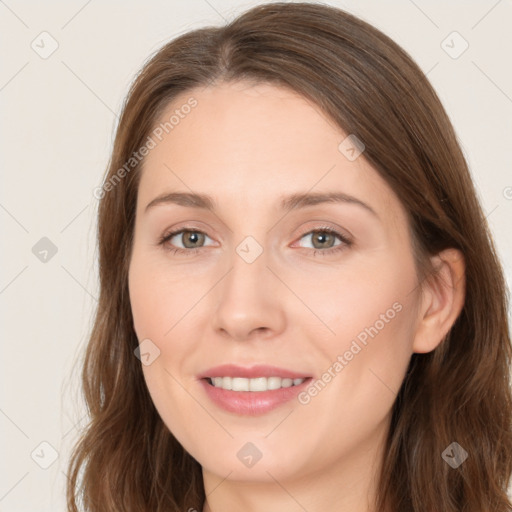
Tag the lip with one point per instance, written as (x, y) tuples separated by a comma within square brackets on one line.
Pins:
[(251, 403), (258, 370)]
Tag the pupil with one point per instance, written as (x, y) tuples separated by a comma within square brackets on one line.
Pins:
[(193, 235), (323, 235)]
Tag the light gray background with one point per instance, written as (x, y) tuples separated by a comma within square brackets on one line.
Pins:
[(58, 119)]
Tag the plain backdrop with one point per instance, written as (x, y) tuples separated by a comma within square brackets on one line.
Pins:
[(66, 67)]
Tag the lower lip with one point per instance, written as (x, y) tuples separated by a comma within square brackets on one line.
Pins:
[(251, 403)]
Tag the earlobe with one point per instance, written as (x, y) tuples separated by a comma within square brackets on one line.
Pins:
[(442, 300)]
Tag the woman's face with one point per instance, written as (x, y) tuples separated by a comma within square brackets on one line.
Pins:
[(258, 284)]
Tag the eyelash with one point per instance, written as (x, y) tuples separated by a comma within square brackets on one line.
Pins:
[(346, 242)]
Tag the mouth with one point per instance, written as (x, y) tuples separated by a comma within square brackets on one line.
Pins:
[(252, 391), (258, 384)]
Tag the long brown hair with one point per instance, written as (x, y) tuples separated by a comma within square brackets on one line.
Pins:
[(126, 459)]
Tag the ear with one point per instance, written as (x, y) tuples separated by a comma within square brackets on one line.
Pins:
[(442, 300)]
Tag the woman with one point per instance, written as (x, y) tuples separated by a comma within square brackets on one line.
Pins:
[(231, 366)]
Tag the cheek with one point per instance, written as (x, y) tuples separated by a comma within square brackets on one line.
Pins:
[(165, 311), (159, 298), (368, 299), (370, 313)]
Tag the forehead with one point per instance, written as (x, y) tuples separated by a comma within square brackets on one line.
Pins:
[(250, 142)]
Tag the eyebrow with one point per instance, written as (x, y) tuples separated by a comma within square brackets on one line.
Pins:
[(288, 203)]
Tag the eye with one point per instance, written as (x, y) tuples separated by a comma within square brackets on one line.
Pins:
[(191, 240), (323, 240)]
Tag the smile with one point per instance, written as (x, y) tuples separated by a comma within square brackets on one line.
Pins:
[(252, 390), (258, 384)]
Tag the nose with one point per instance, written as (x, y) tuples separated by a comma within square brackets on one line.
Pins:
[(250, 301)]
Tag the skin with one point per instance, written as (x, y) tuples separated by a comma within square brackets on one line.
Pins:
[(247, 146)]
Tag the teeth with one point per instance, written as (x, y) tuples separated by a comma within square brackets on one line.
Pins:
[(257, 384)]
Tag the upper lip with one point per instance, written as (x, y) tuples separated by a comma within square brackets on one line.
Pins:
[(249, 372)]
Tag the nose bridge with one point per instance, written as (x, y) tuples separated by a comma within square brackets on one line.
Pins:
[(248, 293), (249, 267)]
